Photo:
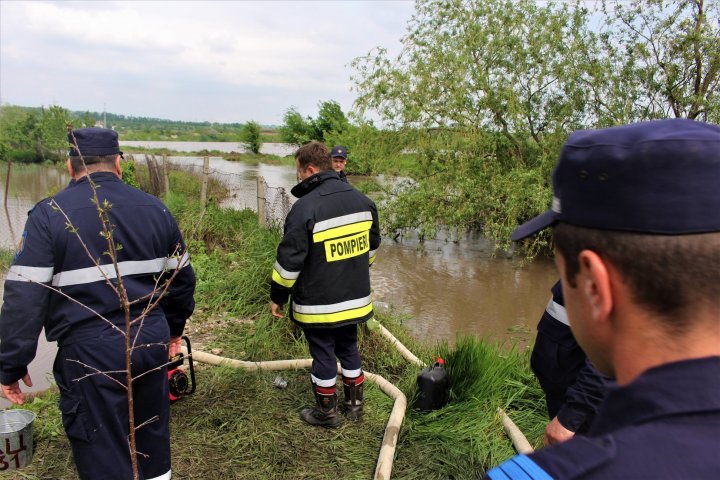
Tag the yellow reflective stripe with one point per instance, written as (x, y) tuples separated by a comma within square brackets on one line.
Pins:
[(333, 317), (373, 255), (277, 278), (341, 231)]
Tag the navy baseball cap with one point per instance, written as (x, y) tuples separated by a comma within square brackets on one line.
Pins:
[(658, 177), (339, 152), (94, 142)]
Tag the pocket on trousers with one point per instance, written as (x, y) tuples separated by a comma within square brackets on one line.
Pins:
[(74, 419)]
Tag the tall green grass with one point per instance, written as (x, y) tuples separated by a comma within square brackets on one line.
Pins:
[(465, 438)]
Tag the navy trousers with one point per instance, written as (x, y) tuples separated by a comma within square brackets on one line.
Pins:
[(556, 365), (328, 343), (95, 408)]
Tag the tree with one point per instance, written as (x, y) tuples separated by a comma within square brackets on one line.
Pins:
[(251, 138), (31, 135), (299, 130), (486, 93), (331, 118), (53, 124), (296, 129), (667, 56)]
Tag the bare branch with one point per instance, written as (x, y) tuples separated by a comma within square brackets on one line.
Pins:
[(98, 372), (147, 422), (159, 367), (76, 232), (56, 290)]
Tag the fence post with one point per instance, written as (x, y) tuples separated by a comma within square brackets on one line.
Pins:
[(261, 200), (204, 188), (166, 174), (7, 182)]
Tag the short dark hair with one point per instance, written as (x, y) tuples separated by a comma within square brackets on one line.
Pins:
[(315, 154), (94, 163), (667, 274)]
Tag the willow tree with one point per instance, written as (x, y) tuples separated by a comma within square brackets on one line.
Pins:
[(485, 92), (664, 57)]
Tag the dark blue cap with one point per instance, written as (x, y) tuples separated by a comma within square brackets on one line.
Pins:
[(339, 152), (94, 142), (659, 177)]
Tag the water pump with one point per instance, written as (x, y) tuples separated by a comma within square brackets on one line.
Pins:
[(180, 384)]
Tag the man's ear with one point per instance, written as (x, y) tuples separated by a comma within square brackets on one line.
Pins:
[(68, 164), (118, 168), (594, 284)]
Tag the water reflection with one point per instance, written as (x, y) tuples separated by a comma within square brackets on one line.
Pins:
[(451, 288), (28, 185)]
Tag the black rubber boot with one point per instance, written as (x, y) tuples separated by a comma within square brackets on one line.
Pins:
[(325, 413), (353, 390)]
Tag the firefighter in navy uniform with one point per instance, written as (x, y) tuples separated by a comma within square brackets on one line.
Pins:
[(573, 387), (636, 218), (330, 240), (339, 161), (94, 407)]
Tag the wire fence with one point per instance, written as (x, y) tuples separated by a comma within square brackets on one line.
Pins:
[(245, 190)]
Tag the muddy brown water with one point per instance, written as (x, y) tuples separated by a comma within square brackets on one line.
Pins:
[(445, 287)]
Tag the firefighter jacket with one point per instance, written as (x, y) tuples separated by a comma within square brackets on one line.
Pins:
[(61, 248), (330, 240)]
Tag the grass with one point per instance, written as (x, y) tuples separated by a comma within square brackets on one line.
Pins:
[(237, 425), (6, 257)]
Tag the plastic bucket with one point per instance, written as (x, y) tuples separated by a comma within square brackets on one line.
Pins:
[(16, 439)]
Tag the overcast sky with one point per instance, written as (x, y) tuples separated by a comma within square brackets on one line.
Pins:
[(228, 61)]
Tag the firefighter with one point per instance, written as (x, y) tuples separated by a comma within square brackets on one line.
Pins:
[(339, 161), (330, 239), (573, 387), (636, 216), (62, 279)]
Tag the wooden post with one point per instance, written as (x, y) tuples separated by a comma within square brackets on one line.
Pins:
[(261, 200), (154, 175), (204, 188), (166, 174), (7, 182)]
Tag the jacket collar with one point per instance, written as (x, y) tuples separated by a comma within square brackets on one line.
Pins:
[(686, 387), (98, 177), (307, 185)]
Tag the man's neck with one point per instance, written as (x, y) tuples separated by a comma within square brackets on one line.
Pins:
[(645, 344), (85, 173)]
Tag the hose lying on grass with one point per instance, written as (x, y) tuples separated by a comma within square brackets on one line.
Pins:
[(392, 429), (519, 440), (407, 354)]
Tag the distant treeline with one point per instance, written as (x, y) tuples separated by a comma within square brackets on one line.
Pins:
[(147, 128), (37, 134)]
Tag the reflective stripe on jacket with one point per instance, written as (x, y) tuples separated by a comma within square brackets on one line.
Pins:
[(149, 246), (330, 239)]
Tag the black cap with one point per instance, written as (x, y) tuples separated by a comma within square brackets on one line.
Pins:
[(339, 152), (94, 142), (659, 177)]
